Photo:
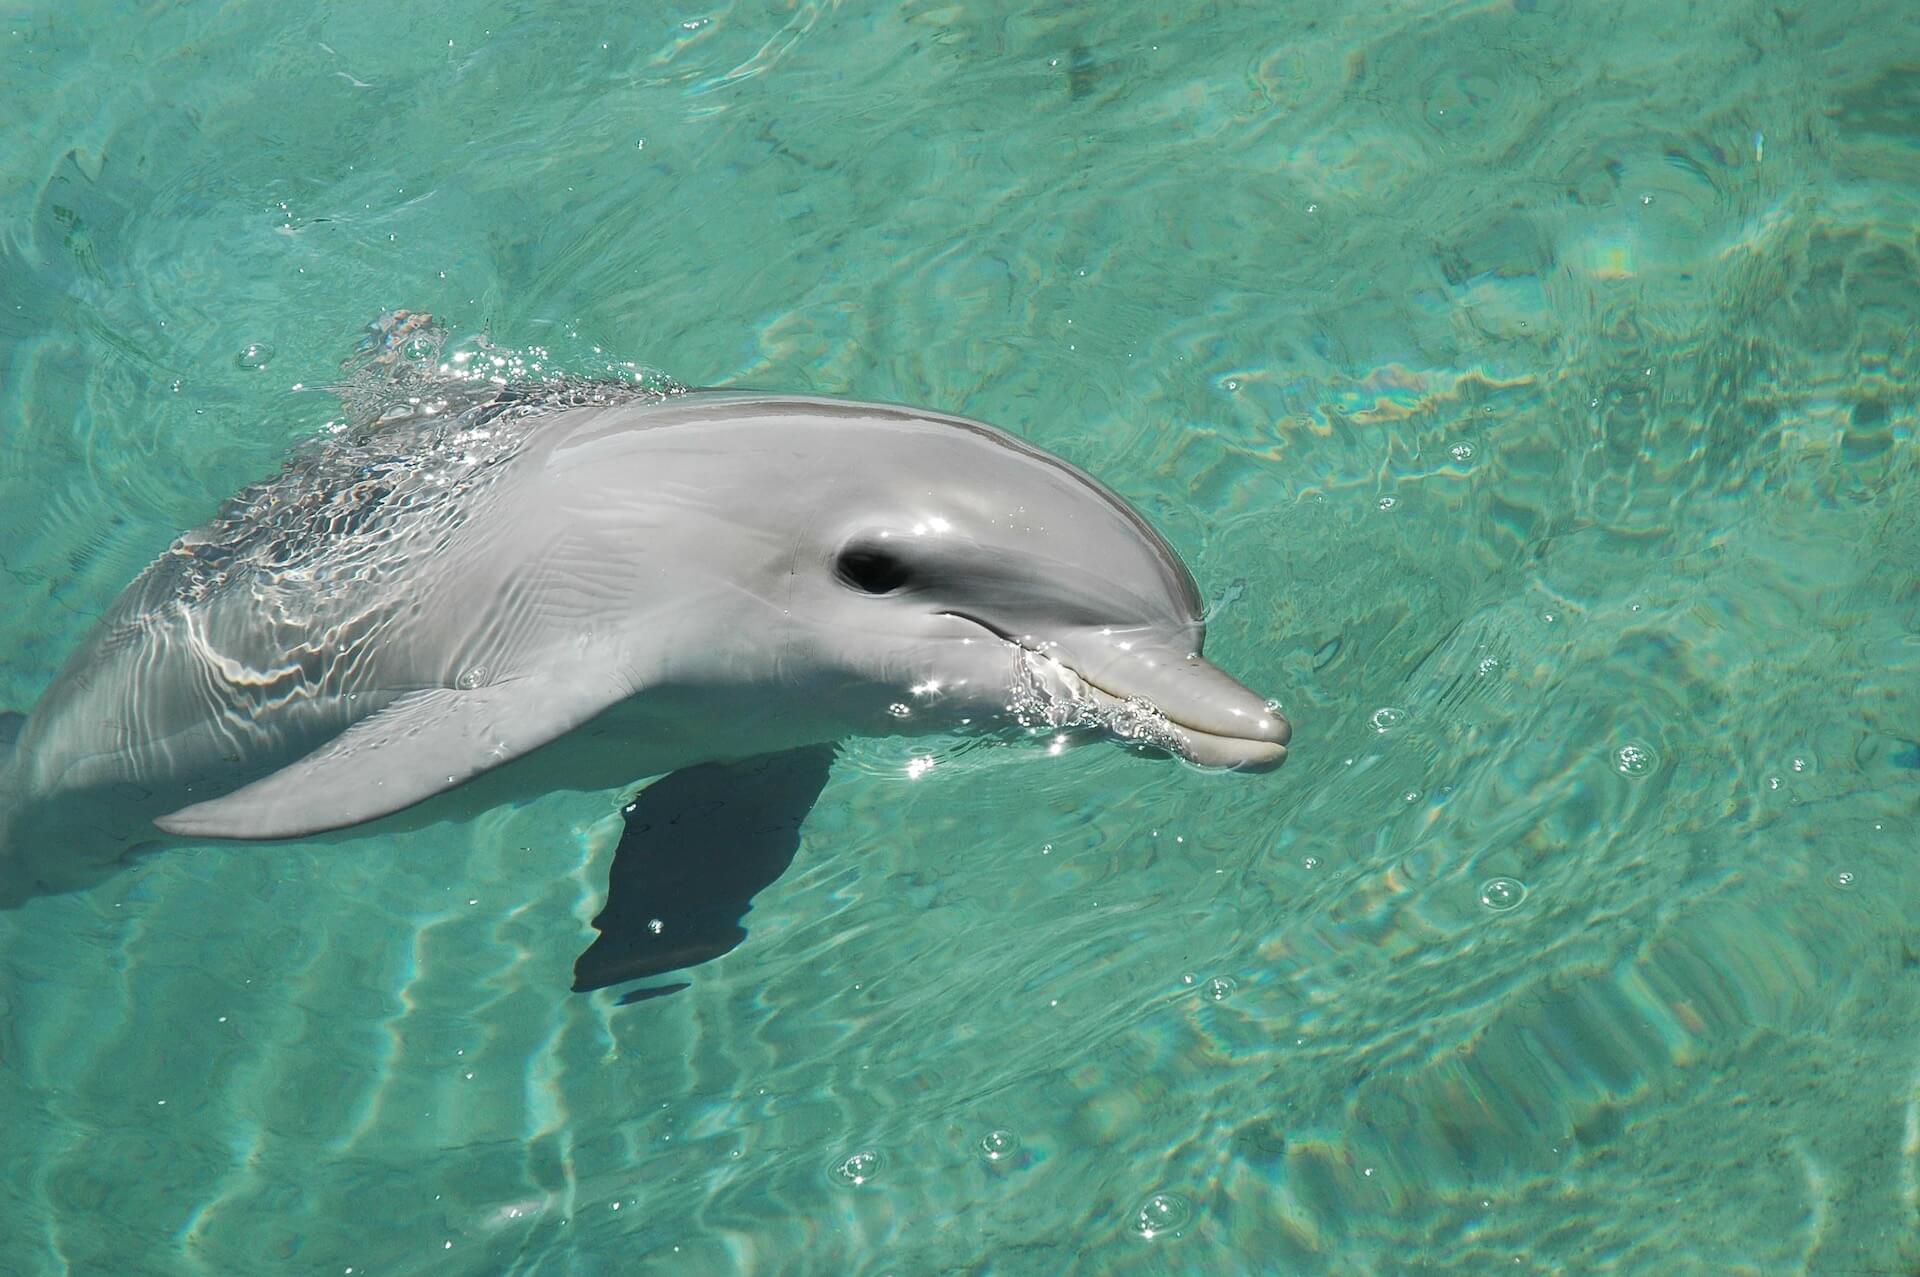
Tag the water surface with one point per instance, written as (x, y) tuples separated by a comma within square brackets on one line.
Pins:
[(1542, 373)]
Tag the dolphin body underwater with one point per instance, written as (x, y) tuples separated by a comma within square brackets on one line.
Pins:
[(577, 585)]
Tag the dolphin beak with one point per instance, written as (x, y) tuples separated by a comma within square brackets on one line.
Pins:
[(1215, 720)]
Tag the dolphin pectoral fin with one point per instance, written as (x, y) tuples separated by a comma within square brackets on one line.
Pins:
[(422, 744), (699, 844)]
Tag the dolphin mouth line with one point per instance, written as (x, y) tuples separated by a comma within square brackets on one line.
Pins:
[(1202, 745)]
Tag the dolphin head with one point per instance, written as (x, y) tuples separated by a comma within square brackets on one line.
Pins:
[(957, 573)]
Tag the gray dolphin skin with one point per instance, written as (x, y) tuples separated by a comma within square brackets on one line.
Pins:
[(578, 586)]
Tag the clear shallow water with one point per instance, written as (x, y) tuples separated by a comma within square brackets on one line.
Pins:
[(1544, 372)]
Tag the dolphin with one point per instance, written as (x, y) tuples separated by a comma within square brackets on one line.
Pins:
[(578, 586)]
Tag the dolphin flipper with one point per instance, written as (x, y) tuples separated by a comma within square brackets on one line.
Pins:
[(699, 845), (422, 744)]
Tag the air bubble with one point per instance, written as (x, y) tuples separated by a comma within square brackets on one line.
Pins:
[(1502, 894), (254, 356), (899, 710), (1801, 766), (1461, 452), (655, 926), (1310, 863), (999, 1145), (1635, 759), (1842, 879), (1387, 503), (857, 1168), (1386, 718), (1218, 989), (1162, 1213)]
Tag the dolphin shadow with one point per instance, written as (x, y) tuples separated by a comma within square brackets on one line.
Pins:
[(699, 845)]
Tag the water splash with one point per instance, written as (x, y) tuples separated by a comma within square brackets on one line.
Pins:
[(419, 432), (1049, 697)]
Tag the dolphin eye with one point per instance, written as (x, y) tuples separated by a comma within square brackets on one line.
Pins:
[(871, 570)]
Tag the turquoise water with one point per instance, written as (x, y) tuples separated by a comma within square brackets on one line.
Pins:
[(1542, 374)]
